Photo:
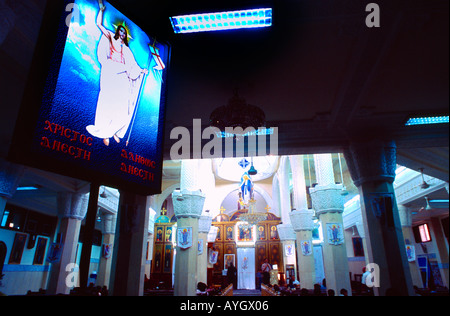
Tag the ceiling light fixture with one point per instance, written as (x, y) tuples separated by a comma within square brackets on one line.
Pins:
[(252, 171), (27, 188), (219, 21), (103, 195), (427, 120), (424, 184)]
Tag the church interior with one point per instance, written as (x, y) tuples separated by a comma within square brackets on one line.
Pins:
[(350, 199)]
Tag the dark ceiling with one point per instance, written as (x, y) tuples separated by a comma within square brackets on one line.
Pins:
[(319, 73)]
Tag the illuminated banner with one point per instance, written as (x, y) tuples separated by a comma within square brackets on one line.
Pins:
[(101, 115)]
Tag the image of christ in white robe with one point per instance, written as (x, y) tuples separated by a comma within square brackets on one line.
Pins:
[(120, 82)]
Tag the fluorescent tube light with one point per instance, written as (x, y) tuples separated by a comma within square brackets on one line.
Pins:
[(219, 21), (427, 120), (27, 189)]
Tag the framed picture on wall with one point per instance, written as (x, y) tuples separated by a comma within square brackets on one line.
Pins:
[(230, 233), (227, 260), (41, 247), (358, 249), (17, 249)]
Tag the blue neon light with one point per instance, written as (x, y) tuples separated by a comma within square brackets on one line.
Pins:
[(427, 120), (220, 21)]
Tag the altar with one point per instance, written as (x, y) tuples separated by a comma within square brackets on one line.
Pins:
[(246, 269), (249, 245)]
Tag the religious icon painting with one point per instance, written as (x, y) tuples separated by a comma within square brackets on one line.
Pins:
[(157, 263), (159, 233), (273, 232), (411, 253), (54, 253), (200, 247), (335, 234), (184, 237), (219, 230), (229, 233), (106, 250), (229, 259), (106, 84), (261, 232), (17, 249), (40, 251), (245, 233), (168, 234), (289, 250), (167, 259), (213, 256), (306, 247)]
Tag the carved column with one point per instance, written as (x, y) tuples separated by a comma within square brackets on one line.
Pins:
[(303, 224), (108, 231), (329, 205), (130, 245), (72, 209), (406, 223), (287, 236), (283, 182), (299, 183), (204, 226), (372, 165), (188, 206), (150, 237)]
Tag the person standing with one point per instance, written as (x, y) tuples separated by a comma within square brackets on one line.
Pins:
[(232, 275), (266, 268)]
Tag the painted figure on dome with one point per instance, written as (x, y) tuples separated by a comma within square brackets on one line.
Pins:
[(246, 187)]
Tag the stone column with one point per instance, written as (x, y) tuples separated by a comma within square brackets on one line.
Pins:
[(372, 165), (287, 237), (441, 248), (285, 196), (328, 203), (362, 234), (109, 231), (130, 245), (406, 223), (72, 209), (299, 184), (303, 224), (202, 265), (188, 206), (150, 241)]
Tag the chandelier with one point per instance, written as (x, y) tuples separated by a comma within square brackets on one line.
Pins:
[(238, 113), (252, 217)]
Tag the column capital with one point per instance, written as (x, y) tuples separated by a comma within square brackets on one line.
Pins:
[(204, 224), (188, 203), (405, 216), (302, 220), (109, 223), (72, 205), (374, 160), (10, 175), (327, 198), (286, 232)]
